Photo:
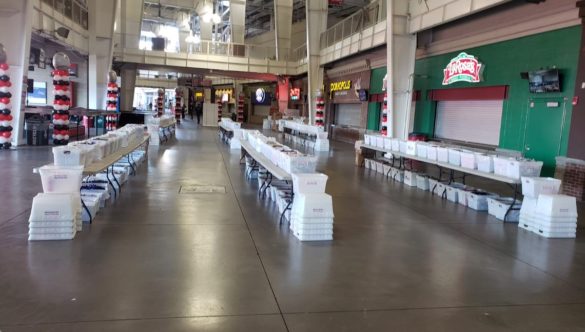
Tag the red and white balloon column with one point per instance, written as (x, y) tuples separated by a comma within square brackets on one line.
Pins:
[(385, 118), (112, 101), (160, 102), (320, 109), (5, 106), (62, 100)]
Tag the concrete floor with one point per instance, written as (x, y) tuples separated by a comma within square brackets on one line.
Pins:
[(157, 260)]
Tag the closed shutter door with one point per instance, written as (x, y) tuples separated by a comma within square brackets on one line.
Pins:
[(475, 121), (348, 115)]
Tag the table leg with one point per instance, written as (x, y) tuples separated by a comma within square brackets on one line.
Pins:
[(116, 180), (87, 210), (515, 186), (286, 208), (110, 182)]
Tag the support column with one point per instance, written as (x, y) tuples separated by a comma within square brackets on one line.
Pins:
[(238, 20), (127, 89), (16, 40), (130, 23), (401, 48), (283, 27), (316, 24), (102, 16)]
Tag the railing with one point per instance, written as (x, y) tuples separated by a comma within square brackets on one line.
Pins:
[(206, 47), (74, 10), (368, 16)]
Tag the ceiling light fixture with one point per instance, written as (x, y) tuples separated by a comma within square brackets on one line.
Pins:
[(216, 18)]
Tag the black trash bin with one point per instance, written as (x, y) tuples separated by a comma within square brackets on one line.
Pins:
[(36, 130)]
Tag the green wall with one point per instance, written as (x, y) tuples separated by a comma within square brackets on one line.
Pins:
[(503, 62), (376, 80)]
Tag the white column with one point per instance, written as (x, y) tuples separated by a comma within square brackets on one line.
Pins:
[(316, 24), (283, 27), (127, 89), (238, 20), (16, 36), (102, 14), (401, 48), (130, 23)]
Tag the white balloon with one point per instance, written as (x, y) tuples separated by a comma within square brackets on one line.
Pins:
[(4, 140)]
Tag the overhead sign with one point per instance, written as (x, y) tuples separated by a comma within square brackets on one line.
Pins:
[(463, 68), (340, 86), (260, 95)]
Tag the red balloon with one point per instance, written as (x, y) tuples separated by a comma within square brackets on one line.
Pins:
[(6, 134), (4, 66), (3, 118), (5, 100)]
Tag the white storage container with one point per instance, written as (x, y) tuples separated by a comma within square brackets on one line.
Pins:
[(46, 237), (452, 192), (462, 194), (557, 206), (55, 207), (485, 162), (528, 207), (68, 156), (468, 160), (454, 157), (422, 182), (403, 146), (368, 163), (520, 168), (498, 207), (313, 206), (477, 200), (61, 179), (314, 237), (432, 184), (301, 226), (387, 169), (379, 141), (432, 152), (501, 165), (421, 150), (411, 148), (397, 174), (533, 187), (388, 144), (442, 154), (379, 167), (309, 183), (395, 145), (410, 178), (368, 139)]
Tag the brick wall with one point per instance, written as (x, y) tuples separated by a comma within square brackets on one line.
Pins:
[(572, 173)]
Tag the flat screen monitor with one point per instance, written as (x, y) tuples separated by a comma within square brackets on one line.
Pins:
[(39, 94), (543, 81)]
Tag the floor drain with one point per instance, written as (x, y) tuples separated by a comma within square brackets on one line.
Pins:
[(202, 189)]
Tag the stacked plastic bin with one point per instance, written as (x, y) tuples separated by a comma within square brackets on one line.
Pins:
[(56, 213), (546, 213), (312, 210)]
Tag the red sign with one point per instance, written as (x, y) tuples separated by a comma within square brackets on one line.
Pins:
[(463, 68), (336, 2), (295, 94)]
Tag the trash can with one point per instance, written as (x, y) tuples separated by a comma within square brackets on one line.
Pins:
[(36, 131)]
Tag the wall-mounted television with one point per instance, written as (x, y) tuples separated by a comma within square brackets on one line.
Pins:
[(261, 97), (39, 94), (543, 81)]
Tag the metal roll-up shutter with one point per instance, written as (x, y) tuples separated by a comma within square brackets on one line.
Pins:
[(475, 121), (348, 115)]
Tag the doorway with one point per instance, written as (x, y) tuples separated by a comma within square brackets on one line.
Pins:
[(544, 130)]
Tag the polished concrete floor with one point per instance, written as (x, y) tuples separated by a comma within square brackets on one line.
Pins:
[(161, 260)]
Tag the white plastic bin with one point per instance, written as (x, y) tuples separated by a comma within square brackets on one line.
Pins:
[(368, 139), (68, 156), (533, 187), (388, 144), (55, 207), (397, 174), (379, 141), (442, 154), (557, 206), (477, 200), (528, 207), (395, 145), (485, 162), (453, 192), (454, 157), (498, 207), (410, 178), (309, 183), (421, 150), (411, 148), (468, 160), (313, 206), (501, 165), (422, 182), (432, 152), (387, 169), (403, 146), (519, 168), (61, 179)]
